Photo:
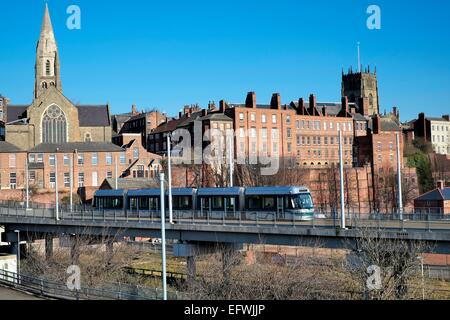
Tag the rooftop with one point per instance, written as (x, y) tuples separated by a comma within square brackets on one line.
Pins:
[(77, 146)]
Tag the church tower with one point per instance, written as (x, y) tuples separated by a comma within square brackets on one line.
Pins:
[(362, 88), (47, 72)]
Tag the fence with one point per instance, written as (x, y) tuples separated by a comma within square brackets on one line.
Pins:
[(52, 289)]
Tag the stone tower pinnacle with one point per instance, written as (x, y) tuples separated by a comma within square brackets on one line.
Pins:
[(47, 72)]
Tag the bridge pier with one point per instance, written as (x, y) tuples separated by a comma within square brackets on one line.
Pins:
[(48, 246), (190, 250)]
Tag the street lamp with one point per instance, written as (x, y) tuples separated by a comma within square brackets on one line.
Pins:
[(341, 172), (56, 186), (163, 235), (169, 165), (399, 177)]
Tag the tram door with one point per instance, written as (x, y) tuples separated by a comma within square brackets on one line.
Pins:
[(280, 207)]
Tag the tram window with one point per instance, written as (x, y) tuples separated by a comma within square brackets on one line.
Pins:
[(205, 203), (217, 203), (253, 203), (231, 204), (269, 203), (143, 203), (182, 203), (153, 203)]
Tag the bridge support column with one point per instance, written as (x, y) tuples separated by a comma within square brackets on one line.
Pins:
[(49, 246), (192, 249)]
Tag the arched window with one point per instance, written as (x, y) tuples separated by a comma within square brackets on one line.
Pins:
[(54, 126), (52, 84), (48, 68), (371, 100), (87, 137), (44, 85)]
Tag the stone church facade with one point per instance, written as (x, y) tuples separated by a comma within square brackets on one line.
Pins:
[(52, 118)]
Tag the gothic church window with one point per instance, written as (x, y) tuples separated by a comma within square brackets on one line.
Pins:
[(54, 126), (371, 100)]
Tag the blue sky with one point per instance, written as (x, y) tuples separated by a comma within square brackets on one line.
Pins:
[(166, 54)]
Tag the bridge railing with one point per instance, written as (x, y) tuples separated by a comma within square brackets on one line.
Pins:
[(52, 289), (418, 220)]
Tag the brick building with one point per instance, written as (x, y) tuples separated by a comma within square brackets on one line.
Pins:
[(91, 163), (306, 133), (138, 122), (434, 130), (435, 201)]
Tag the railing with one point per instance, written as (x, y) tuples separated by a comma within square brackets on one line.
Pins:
[(51, 289), (273, 219)]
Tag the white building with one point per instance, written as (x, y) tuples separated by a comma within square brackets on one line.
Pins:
[(440, 135)]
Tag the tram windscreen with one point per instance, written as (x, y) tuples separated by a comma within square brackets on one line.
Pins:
[(303, 201)]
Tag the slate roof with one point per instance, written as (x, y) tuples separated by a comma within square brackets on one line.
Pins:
[(93, 115), (216, 116), (131, 184), (88, 115), (15, 112), (6, 147), (435, 195), (79, 146)]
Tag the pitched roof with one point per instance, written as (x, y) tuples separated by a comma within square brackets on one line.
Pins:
[(15, 112), (78, 146), (6, 147), (88, 115), (218, 116), (173, 124), (435, 195), (132, 184), (93, 115)]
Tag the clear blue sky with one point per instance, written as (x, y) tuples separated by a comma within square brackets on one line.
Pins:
[(166, 54)]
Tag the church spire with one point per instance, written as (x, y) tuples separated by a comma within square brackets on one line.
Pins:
[(47, 60)]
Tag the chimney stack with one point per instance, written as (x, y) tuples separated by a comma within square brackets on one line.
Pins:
[(275, 103), (440, 185), (313, 105), (134, 109), (446, 117), (250, 101), (345, 105), (376, 124)]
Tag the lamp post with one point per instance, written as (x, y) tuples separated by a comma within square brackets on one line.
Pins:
[(341, 172), (27, 183), (230, 155), (169, 165), (71, 183), (399, 179), (56, 186), (163, 235)]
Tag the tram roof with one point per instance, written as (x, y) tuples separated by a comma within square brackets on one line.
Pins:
[(155, 192), (235, 191), (109, 193), (274, 191)]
